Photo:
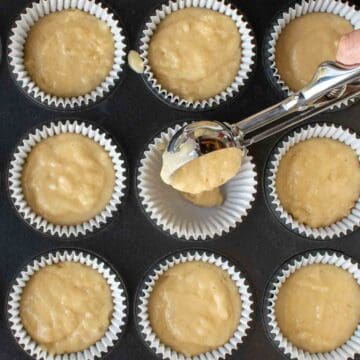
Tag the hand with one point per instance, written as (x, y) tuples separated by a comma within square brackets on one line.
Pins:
[(349, 48)]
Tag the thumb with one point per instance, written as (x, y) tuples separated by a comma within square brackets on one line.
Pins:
[(349, 48)]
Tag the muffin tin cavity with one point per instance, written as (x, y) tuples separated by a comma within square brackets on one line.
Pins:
[(331, 131), (15, 178), (172, 213), (347, 350), (247, 61), (119, 297), (18, 35), (299, 8), (147, 285)]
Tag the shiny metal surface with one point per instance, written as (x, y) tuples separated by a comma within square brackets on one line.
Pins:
[(207, 136), (332, 84)]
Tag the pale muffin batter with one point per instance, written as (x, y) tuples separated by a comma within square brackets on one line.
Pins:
[(206, 172), (194, 308), (209, 198), (318, 307), (69, 53), (68, 179), (195, 53), (305, 43), (318, 181), (66, 307), (135, 62)]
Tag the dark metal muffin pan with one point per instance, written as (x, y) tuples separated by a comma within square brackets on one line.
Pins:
[(133, 115)]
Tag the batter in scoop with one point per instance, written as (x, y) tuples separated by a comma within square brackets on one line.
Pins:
[(206, 172)]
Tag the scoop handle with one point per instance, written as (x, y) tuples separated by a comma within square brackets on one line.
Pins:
[(332, 83), (293, 120)]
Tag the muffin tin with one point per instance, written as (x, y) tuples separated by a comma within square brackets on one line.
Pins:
[(133, 116)]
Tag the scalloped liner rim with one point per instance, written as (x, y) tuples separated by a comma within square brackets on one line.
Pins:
[(247, 64), (167, 262), (332, 131), (153, 214), (36, 135), (323, 256), (24, 82), (119, 295), (277, 26)]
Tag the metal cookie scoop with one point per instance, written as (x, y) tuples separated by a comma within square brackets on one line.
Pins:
[(332, 83)]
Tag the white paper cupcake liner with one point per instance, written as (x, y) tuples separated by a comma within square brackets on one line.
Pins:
[(247, 52), (19, 158), (331, 131), (344, 352), (172, 213), (336, 7), (145, 289), (17, 41), (119, 298)]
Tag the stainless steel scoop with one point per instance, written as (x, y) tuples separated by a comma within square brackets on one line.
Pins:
[(332, 83)]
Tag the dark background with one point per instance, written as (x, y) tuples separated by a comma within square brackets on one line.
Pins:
[(132, 114)]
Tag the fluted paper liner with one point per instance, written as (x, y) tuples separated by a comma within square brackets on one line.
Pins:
[(172, 213), (336, 7), (17, 40), (341, 227), (247, 52), (144, 293), (19, 159), (344, 352), (118, 317)]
